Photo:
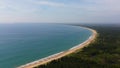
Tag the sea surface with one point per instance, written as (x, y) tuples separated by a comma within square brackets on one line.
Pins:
[(24, 43)]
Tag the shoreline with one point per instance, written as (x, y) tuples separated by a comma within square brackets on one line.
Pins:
[(63, 53)]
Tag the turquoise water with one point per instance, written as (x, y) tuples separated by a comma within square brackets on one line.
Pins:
[(24, 43)]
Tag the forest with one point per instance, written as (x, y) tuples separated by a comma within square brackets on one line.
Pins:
[(103, 53)]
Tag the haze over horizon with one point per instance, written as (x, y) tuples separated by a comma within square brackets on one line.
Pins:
[(56, 11)]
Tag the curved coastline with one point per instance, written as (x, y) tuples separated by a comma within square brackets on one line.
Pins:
[(63, 53)]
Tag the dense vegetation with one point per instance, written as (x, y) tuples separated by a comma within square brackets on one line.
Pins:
[(103, 53)]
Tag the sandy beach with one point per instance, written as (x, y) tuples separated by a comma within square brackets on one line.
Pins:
[(61, 54)]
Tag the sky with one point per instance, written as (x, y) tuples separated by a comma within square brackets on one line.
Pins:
[(60, 11)]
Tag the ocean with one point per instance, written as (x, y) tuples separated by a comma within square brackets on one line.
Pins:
[(27, 42)]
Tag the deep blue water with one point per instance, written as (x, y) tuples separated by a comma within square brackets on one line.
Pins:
[(24, 43)]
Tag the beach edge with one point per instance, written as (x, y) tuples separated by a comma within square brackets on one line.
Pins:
[(63, 53)]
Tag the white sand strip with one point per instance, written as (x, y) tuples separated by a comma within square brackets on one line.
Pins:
[(61, 54)]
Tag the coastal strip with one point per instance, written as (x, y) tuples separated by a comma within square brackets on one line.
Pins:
[(61, 54)]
